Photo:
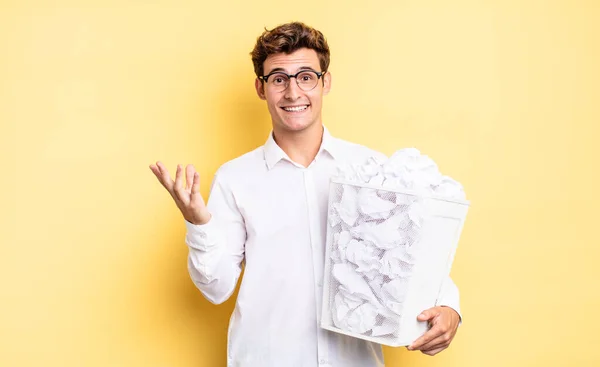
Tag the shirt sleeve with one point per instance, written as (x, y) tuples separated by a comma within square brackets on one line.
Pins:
[(449, 296), (216, 249)]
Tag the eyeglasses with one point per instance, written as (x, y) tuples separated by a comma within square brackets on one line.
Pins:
[(279, 81)]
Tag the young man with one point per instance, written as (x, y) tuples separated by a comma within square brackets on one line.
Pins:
[(268, 208)]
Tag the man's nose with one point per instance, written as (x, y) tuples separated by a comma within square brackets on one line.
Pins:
[(293, 91)]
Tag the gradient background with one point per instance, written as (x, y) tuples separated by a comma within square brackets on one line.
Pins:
[(504, 95)]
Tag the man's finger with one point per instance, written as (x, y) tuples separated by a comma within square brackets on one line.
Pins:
[(433, 333), (196, 185), (156, 172), (189, 176), (164, 172), (160, 171), (178, 182), (424, 316), (439, 342), (428, 314), (432, 352)]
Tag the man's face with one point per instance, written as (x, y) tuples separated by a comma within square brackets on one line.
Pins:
[(293, 109)]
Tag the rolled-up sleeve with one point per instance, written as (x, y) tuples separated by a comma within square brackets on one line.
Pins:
[(216, 249)]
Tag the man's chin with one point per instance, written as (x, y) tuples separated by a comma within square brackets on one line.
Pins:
[(296, 126)]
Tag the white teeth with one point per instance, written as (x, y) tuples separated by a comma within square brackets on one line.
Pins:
[(295, 109)]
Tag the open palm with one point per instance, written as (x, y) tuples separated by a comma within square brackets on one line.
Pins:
[(187, 197)]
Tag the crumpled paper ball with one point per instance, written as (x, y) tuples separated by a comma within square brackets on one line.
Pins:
[(406, 169)]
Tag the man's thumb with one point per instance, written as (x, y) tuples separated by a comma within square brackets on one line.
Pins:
[(426, 315)]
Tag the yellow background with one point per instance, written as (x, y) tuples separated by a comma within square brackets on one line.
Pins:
[(504, 95)]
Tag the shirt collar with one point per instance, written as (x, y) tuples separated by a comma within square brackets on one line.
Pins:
[(273, 153), (330, 144)]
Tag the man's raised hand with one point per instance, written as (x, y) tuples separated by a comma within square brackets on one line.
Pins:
[(188, 197)]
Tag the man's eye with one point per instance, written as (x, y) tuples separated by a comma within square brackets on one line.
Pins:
[(306, 77), (279, 79)]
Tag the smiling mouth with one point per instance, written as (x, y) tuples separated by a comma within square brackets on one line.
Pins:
[(295, 108)]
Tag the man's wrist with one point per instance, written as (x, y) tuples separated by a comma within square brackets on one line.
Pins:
[(201, 220)]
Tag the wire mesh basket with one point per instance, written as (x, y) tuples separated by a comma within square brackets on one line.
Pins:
[(387, 254)]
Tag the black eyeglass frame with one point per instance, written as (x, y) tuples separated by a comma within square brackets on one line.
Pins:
[(265, 78)]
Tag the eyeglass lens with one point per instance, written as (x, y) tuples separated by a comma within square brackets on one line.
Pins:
[(306, 80)]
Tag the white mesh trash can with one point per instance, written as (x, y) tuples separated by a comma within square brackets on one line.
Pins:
[(387, 254)]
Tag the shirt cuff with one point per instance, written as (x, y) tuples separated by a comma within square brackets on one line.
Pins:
[(201, 236)]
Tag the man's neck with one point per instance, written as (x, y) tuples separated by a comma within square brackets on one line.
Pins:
[(301, 146)]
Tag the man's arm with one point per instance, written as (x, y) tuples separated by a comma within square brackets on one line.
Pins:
[(216, 232), (216, 248)]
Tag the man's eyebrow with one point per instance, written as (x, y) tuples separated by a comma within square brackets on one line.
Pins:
[(275, 70), (284, 71)]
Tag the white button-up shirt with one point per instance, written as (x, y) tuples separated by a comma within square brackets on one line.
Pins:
[(270, 213)]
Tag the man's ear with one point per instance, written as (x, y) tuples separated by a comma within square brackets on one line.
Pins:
[(260, 88), (326, 83)]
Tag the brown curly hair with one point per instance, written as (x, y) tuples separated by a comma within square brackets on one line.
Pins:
[(288, 38)]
